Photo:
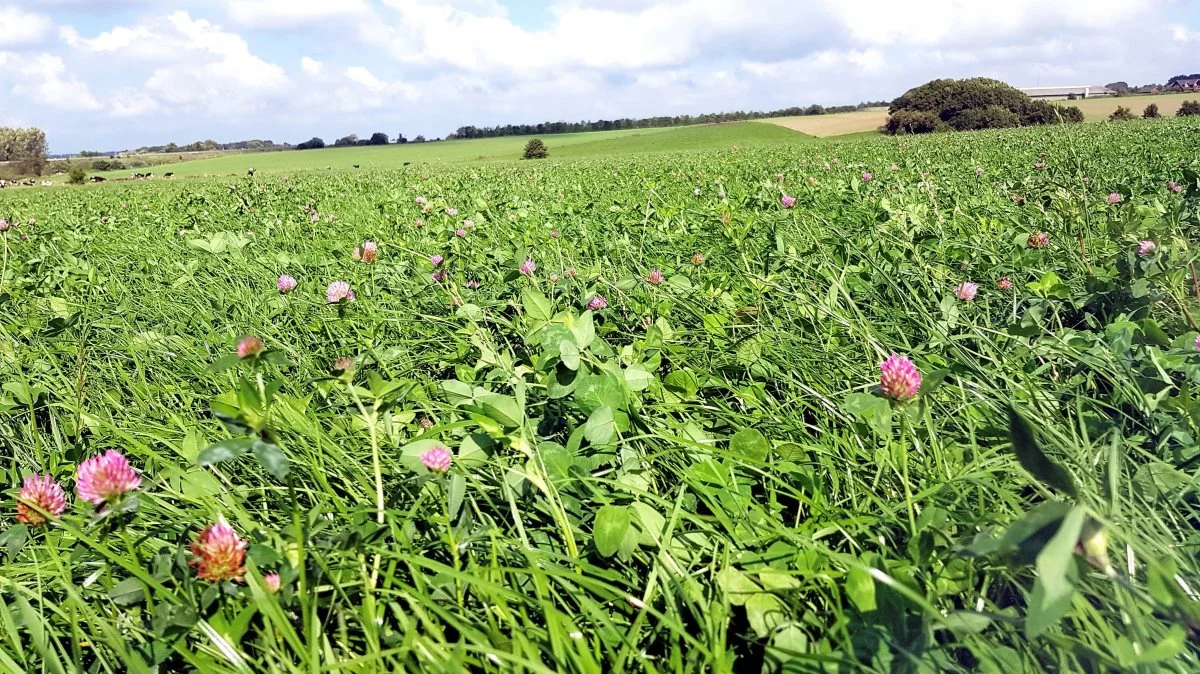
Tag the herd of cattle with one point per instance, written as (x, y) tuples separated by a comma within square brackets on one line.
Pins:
[(30, 182)]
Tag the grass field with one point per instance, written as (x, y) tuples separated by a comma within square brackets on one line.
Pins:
[(561, 146), (867, 121), (921, 404)]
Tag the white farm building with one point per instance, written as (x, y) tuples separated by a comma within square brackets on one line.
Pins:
[(1059, 93)]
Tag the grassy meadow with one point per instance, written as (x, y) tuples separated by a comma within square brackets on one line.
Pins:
[(923, 404), (484, 150)]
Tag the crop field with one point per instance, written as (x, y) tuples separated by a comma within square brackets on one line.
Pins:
[(485, 150), (925, 404)]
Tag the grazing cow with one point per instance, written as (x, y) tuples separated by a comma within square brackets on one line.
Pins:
[(355, 165), (98, 179), (169, 174), (407, 163), (250, 172)]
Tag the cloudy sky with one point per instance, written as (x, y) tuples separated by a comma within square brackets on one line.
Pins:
[(115, 74)]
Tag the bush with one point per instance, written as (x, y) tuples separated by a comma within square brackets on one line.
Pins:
[(977, 103), (378, 138), (1070, 114), (913, 121), (536, 149), (313, 143), (77, 175), (1151, 111), (1121, 114), (107, 165), (1189, 109), (990, 117)]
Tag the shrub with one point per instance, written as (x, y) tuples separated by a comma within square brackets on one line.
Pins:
[(378, 138), (1151, 111), (1121, 114), (977, 103), (536, 149), (1189, 109), (313, 143), (107, 165), (77, 175), (990, 117), (913, 121), (1070, 114)]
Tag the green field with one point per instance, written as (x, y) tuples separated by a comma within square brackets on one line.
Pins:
[(624, 413), (561, 146)]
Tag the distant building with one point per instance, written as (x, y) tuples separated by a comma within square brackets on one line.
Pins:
[(1184, 85), (1059, 93)]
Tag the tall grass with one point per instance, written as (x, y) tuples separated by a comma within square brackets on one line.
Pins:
[(702, 476)]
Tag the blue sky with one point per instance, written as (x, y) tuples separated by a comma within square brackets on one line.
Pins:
[(117, 74)]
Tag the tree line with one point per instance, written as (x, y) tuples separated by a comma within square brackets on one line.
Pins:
[(25, 148), (547, 128)]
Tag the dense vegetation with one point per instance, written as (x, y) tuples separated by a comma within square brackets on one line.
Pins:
[(25, 149), (971, 105), (658, 378), (545, 128)]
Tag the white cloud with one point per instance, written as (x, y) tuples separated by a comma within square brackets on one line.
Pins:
[(427, 66), (20, 28), (311, 66), (43, 78), (197, 64), (364, 77), (293, 13)]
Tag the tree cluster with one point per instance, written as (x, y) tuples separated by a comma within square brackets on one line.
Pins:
[(211, 146), (26, 148), (546, 128), (971, 104)]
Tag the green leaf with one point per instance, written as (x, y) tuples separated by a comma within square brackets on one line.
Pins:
[(601, 427), (609, 529), (584, 329), (1033, 459), (870, 409), (128, 592), (537, 306), (599, 390), (271, 457), (637, 377), (765, 612), (750, 445), (14, 538), (737, 586), (860, 588), (224, 450), (1055, 586), (503, 409)]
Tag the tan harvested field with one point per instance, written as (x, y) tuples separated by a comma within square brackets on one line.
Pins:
[(1094, 110), (838, 124)]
